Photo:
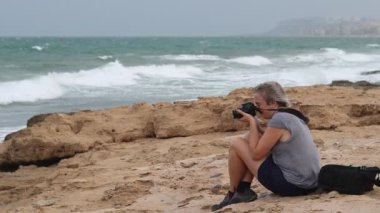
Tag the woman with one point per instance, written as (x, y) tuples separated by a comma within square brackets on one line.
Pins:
[(284, 158)]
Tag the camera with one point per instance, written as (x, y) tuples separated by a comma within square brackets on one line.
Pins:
[(248, 107)]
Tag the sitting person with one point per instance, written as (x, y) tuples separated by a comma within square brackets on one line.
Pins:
[(284, 158)]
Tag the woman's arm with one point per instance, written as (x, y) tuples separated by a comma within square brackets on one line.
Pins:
[(270, 137), (260, 146)]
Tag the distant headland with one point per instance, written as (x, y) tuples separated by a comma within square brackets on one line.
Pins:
[(360, 27)]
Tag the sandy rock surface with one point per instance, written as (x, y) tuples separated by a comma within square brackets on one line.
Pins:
[(172, 157)]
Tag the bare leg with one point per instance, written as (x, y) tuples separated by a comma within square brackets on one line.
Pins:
[(236, 169), (241, 166), (248, 177)]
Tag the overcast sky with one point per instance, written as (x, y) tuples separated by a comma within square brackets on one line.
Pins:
[(166, 17)]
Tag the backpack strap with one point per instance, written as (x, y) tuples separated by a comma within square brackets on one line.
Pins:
[(295, 112), (292, 111)]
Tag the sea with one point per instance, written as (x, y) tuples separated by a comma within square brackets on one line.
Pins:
[(65, 74)]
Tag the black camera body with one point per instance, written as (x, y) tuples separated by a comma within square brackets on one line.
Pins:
[(248, 107)]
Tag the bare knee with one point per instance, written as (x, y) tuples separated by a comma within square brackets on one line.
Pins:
[(237, 142)]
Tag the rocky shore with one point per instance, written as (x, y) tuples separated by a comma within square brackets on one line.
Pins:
[(173, 156)]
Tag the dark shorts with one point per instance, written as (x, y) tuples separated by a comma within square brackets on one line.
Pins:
[(272, 178)]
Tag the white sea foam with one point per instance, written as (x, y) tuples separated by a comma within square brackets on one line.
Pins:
[(332, 55), (113, 74), (39, 48), (373, 45), (168, 71), (338, 54), (317, 74), (185, 57), (30, 90), (109, 75), (252, 60), (304, 58), (105, 57)]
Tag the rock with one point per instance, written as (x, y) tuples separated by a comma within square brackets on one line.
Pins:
[(73, 166), (326, 117), (37, 119), (40, 143), (216, 189), (216, 175), (258, 209), (333, 194), (42, 203), (319, 142), (4, 188), (370, 72), (357, 84), (144, 174), (341, 83), (77, 180), (55, 136), (365, 84), (188, 164)]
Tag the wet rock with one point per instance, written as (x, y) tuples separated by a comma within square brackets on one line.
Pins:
[(371, 72), (353, 84)]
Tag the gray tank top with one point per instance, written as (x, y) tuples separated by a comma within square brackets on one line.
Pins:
[(298, 156)]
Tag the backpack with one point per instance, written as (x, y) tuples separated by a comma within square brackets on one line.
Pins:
[(348, 179)]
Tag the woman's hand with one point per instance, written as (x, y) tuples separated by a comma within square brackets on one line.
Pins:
[(246, 117)]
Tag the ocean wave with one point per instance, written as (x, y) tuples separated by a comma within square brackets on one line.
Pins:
[(247, 60), (114, 74), (167, 71), (109, 75), (185, 57), (105, 57), (38, 48), (373, 45), (319, 74), (304, 58), (252, 60), (30, 90), (332, 55)]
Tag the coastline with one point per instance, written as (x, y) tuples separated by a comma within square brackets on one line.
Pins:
[(173, 156)]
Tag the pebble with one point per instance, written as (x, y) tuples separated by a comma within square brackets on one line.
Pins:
[(216, 175), (188, 165), (41, 203), (216, 189), (333, 194), (73, 166)]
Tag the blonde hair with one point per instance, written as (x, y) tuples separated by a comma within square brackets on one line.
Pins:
[(273, 91)]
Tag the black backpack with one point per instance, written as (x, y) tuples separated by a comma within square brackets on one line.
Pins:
[(348, 179)]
